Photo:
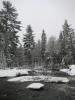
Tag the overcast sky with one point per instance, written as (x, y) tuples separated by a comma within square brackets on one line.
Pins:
[(44, 14)]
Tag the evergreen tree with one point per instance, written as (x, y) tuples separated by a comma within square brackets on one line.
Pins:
[(52, 52), (43, 45), (61, 43), (68, 35), (36, 53), (28, 44), (9, 26), (51, 45), (20, 55), (66, 40)]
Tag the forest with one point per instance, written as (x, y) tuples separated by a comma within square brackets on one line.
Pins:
[(52, 53), (31, 69)]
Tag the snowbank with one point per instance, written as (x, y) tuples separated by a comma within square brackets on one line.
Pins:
[(65, 70), (39, 78), (72, 66), (70, 71), (35, 86), (13, 72)]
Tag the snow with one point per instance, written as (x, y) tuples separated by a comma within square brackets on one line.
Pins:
[(72, 66), (70, 71), (65, 70), (57, 79), (13, 72), (27, 78), (39, 78), (35, 86)]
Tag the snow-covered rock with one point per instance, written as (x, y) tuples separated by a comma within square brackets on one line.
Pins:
[(35, 86)]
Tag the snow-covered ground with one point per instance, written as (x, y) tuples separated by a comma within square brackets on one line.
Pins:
[(13, 72), (70, 71), (39, 78)]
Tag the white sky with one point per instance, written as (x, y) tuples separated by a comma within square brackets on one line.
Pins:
[(44, 14)]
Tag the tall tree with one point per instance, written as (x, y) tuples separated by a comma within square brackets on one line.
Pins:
[(66, 39), (36, 53), (29, 44), (51, 45), (68, 34), (43, 45), (52, 52), (61, 46), (9, 26), (20, 55)]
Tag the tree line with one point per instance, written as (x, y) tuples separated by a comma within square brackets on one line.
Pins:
[(52, 53)]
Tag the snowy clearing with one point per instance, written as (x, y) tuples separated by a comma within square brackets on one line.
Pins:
[(39, 78), (35, 86), (13, 72), (70, 71)]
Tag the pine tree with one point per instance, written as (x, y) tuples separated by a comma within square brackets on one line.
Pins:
[(62, 51), (43, 45), (36, 53), (51, 45), (68, 34), (9, 26), (20, 55), (29, 44), (66, 40)]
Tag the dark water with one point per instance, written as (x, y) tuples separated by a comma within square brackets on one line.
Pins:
[(51, 91)]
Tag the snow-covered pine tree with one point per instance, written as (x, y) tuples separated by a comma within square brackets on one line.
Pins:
[(66, 42), (9, 26), (43, 45), (29, 44)]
